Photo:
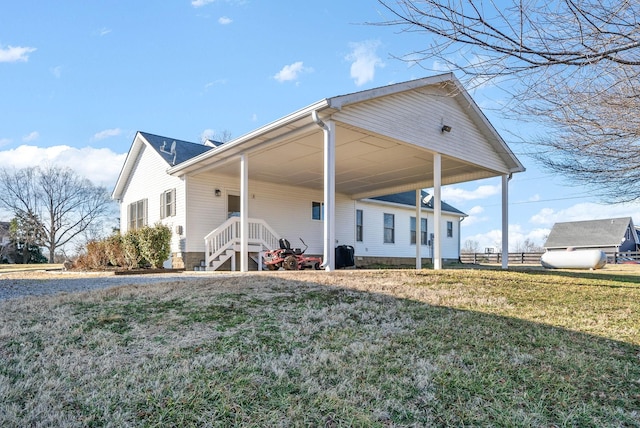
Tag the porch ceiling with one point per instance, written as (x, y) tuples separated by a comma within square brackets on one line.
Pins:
[(366, 164), (290, 150)]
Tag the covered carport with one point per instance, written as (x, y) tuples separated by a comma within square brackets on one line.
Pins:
[(413, 135)]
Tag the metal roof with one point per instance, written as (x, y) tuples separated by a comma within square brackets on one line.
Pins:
[(589, 233), (185, 150), (409, 198)]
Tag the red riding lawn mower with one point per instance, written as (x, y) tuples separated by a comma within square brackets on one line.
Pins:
[(290, 259)]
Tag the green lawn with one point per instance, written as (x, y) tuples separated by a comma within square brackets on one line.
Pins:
[(353, 348)]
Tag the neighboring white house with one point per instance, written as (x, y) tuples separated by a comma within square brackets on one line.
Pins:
[(388, 232), (320, 174)]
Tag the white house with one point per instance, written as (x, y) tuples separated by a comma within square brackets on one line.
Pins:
[(320, 173)]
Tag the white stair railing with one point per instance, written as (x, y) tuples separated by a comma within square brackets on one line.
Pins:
[(227, 235)]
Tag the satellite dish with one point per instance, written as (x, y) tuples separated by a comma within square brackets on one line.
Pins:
[(171, 152)]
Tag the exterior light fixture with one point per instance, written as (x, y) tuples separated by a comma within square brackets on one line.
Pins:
[(218, 192), (445, 128)]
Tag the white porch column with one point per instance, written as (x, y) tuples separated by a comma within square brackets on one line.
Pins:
[(418, 229), (505, 221), (437, 211), (244, 213), (329, 195)]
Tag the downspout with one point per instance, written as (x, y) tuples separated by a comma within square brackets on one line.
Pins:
[(329, 190), (505, 220), (460, 238)]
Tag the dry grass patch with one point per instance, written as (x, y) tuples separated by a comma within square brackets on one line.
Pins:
[(374, 348)]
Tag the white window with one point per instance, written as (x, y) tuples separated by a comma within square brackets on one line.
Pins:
[(423, 231), (449, 229), (137, 214), (168, 203), (359, 227), (389, 228)]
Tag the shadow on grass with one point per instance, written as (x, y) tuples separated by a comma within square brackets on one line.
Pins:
[(628, 277), (268, 350)]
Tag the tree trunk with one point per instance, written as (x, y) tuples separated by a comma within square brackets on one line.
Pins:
[(52, 253)]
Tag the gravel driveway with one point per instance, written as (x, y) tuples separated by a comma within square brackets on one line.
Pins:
[(39, 283)]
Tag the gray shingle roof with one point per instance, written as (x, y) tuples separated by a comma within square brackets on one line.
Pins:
[(185, 150), (409, 198), (589, 233)]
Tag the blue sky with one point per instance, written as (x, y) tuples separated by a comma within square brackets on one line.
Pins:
[(79, 78)]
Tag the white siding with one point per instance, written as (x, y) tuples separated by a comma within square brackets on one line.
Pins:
[(149, 181), (373, 245), (417, 117), (287, 209)]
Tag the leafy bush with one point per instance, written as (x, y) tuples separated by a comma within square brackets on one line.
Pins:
[(136, 248), (115, 250), (131, 250), (155, 244)]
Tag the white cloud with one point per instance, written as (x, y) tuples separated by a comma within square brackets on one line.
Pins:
[(493, 238), (104, 31), (15, 54), (291, 72), (101, 166), (475, 215), (5, 141), (57, 71), (364, 61), (31, 137), (200, 3), (457, 194), (224, 20), (107, 133), (585, 211), (215, 83)]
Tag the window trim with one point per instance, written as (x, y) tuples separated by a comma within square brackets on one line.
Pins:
[(168, 209), (392, 229), (423, 231), (449, 229), (320, 205), (359, 225), (137, 214)]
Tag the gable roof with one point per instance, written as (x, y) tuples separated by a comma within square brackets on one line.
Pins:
[(589, 233), (409, 199), (386, 142), (377, 154), (184, 150)]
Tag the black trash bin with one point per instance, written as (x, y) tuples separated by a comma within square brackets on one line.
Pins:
[(344, 256)]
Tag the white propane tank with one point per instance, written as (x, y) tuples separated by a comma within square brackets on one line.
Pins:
[(574, 259)]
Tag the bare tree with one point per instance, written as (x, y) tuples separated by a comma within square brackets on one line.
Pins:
[(528, 246), (66, 204), (470, 246), (572, 65), (211, 135)]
